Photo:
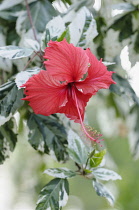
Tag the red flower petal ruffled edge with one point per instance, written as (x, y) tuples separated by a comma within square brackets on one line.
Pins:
[(98, 76), (45, 94), (65, 61)]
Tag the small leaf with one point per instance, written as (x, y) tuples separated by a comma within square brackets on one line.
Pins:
[(60, 172), (92, 153), (97, 159), (8, 139), (14, 52), (105, 174), (87, 171), (102, 191), (22, 77), (76, 148), (54, 195), (65, 35)]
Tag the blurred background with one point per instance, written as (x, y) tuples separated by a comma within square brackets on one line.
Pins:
[(115, 116)]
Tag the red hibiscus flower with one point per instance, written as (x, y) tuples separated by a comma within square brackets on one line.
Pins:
[(72, 76)]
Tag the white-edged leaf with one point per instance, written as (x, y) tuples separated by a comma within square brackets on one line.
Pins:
[(41, 12), (22, 77), (76, 26), (54, 195), (8, 139), (60, 172), (108, 63), (33, 44), (6, 4), (125, 7), (102, 191), (48, 135), (89, 31), (77, 148), (105, 174), (4, 119), (56, 26), (54, 29), (83, 25), (10, 103), (14, 52)]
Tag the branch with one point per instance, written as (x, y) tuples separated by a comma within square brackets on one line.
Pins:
[(29, 61), (30, 20)]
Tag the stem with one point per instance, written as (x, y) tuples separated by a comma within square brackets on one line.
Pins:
[(2, 77), (30, 20), (81, 121), (29, 61), (86, 162)]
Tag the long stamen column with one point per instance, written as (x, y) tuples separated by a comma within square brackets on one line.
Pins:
[(82, 124)]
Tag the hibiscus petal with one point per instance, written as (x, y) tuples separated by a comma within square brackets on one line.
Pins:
[(98, 76), (70, 109), (45, 94), (65, 61)]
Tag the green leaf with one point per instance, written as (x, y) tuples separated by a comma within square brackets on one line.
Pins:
[(8, 139), (97, 158), (122, 87), (101, 51), (10, 103), (92, 153), (136, 44), (65, 35), (54, 195), (67, 1), (77, 149), (41, 12), (14, 52), (47, 134), (60, 172), (101, 28), (121, 25), (22, 77), (102, 191), (105, 174), (10, 16)]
